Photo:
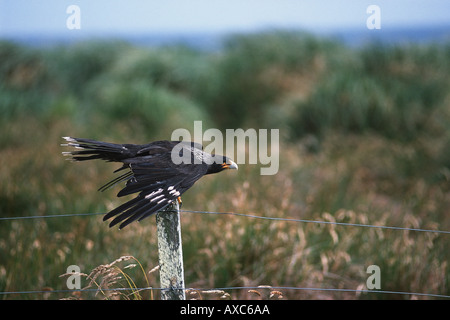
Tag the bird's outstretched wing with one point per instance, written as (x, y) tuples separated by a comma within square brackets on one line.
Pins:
[(158, 182)]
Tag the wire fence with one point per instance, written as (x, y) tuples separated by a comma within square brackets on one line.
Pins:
[(215, 290), (248, 216), (356, 291)]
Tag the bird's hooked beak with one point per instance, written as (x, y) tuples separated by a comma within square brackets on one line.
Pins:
[(230, 164)]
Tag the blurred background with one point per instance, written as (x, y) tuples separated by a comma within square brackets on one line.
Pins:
[(364, 120)]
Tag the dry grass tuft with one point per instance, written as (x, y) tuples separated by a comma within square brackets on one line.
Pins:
[(114, 282)]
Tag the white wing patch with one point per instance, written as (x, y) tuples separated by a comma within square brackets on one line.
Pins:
[(173, 191), (154, 193), (156, 198), (160, 195)]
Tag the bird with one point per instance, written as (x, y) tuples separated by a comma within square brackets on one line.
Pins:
[(160, 172)]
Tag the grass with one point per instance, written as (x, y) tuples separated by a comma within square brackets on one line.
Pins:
[(109, 278), (364, 139), (388, 90)]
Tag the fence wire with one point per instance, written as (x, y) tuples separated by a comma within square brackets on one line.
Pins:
[(209, 290), (248, 216), (356, 291)]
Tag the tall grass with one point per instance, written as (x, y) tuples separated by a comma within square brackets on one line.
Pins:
[(395, 92), (364, 139), (255, 70)]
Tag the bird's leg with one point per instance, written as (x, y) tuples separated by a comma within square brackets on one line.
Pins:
[(179, 201)]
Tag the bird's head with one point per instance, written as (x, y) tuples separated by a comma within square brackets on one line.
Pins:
[(221, 163)]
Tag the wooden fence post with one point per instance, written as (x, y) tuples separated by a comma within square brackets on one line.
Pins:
[(171, 272)]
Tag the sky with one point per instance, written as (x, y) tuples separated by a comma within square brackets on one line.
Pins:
[(149, 16)]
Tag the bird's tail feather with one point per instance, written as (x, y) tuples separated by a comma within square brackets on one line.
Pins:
[(91, 149)]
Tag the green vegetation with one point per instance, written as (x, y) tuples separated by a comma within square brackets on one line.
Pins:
[(365, 136)]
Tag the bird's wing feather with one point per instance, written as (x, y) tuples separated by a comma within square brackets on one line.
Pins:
[(158, 182)]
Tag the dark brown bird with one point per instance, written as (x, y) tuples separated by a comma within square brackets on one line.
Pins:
[(160, 172)]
